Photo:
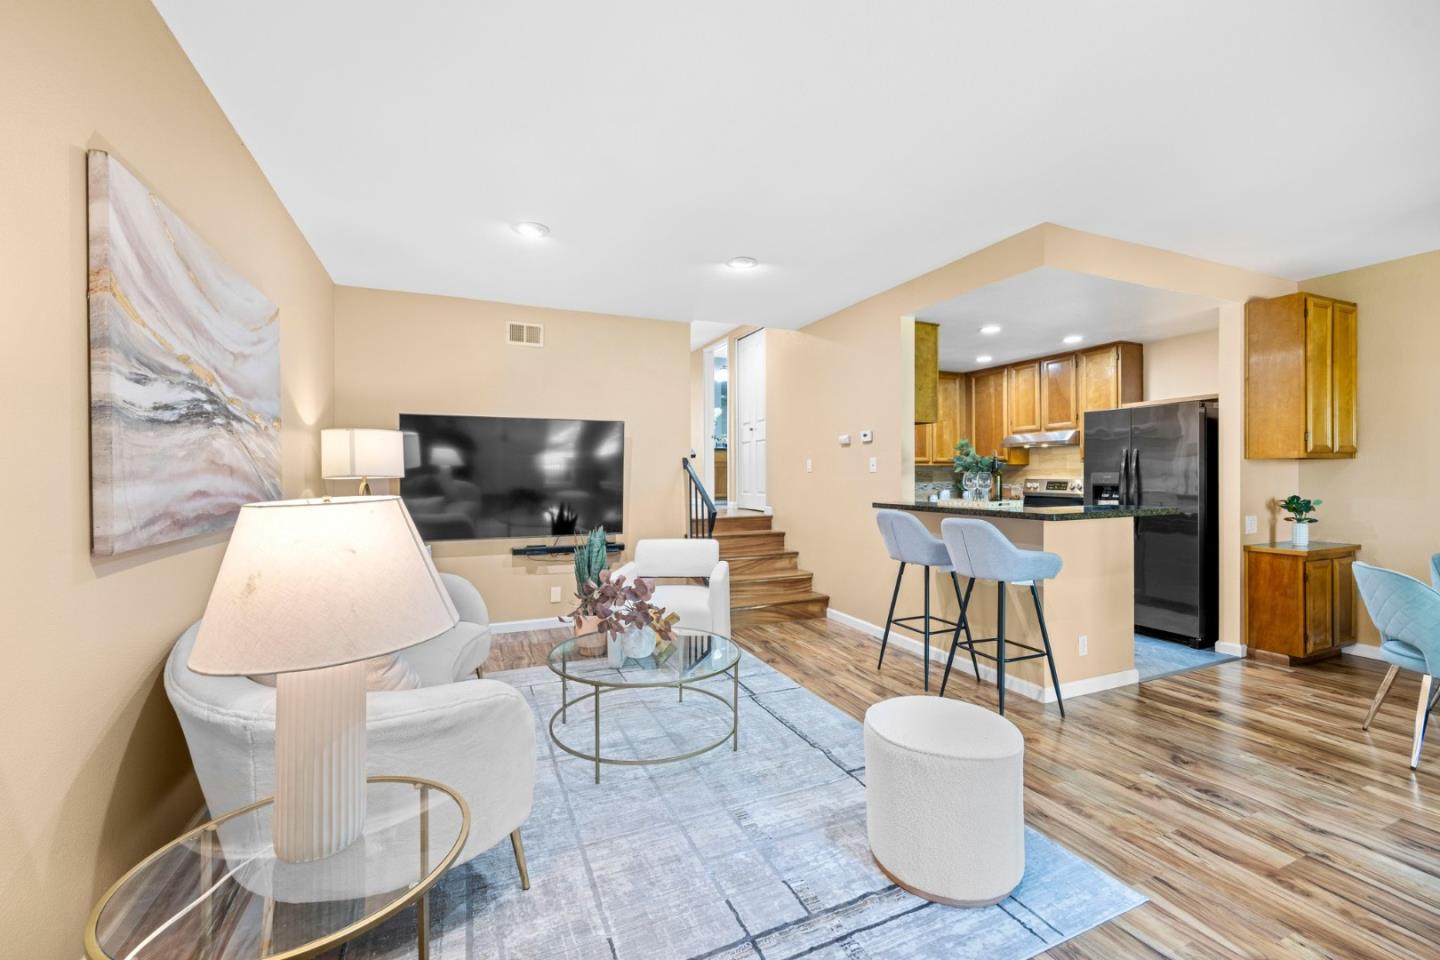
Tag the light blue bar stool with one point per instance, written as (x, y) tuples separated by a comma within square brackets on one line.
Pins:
[(1407, 614), (981, 552), (908, 542)]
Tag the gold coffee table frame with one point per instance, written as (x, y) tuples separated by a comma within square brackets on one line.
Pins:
[(679, 684), (419, 892)]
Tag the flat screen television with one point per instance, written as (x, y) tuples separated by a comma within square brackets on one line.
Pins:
[(479, 478)]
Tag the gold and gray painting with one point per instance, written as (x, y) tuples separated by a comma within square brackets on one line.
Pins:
[(184, 374)]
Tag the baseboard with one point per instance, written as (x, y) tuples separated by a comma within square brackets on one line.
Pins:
[(1230, 649), (517, 626), (900, 640), (1366, 650)]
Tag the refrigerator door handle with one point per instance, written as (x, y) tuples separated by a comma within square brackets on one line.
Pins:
[(1125, 477), (1135, 477)]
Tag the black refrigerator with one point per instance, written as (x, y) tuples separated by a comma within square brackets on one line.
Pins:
[(1164, 455)]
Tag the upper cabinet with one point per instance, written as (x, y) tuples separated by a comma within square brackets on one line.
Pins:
[(1023, 397), (935, 442), (1058, 410), (989, 415), (1300, 378), (927, 372), (1110, 376)]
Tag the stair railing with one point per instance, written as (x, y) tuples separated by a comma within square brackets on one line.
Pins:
[(700, 512)]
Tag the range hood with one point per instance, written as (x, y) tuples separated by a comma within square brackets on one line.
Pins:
[(1045, 438)]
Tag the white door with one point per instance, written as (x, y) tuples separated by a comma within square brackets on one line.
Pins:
[(750, 418)]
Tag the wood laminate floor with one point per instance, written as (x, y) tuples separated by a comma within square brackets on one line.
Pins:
[(1243, 799)]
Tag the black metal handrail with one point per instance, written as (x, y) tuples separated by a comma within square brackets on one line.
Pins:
[(700, 509)]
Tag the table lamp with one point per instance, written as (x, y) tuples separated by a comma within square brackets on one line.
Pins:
[(361, 454), (309, 590)]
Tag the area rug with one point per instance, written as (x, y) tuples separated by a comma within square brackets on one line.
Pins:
[(758, 854)]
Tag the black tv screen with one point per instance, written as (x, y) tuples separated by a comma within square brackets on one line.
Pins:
[(478, 478)]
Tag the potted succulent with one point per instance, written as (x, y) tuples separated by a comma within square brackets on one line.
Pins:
[(1300, 509), (622, 618), (591, 559), (977, 476)]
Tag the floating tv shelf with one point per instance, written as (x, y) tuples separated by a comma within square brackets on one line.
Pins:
[(557, 549)]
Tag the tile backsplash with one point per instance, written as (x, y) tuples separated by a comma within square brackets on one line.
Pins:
[(1062, 463)]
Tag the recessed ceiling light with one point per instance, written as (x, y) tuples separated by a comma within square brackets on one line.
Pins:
[(531, 230), (1074, 338), (742, 263), (984, 358), (990, 329)]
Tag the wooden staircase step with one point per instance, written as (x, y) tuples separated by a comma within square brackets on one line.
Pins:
[(732, 522), (758, 563), (808, 606), (750, 542), (762, 587)]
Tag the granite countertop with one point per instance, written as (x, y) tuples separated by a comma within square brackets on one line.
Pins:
[(1016, 510)]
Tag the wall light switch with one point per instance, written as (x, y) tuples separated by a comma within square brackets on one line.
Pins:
[(1251, 525), (866, 436), (844, 439), (1084, 645), (554, 594), (809, 465), (874, 464)]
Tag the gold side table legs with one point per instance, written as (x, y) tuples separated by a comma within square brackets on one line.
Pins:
[(519, 849)]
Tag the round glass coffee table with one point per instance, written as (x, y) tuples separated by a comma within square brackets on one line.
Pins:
[(220, 893), (695, 656)]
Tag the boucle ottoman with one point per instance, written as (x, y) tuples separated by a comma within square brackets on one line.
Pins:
[(945, 799)]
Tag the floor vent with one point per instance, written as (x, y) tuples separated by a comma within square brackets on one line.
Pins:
[(525, 334)]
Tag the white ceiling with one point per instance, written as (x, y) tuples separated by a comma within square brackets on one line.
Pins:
[(1036, 310), (703, 331), (849, 145)]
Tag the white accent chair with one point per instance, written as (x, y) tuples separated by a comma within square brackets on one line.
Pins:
[(701, 607), (475, 736)]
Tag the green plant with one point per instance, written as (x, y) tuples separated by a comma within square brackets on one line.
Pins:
[(590, 560), (968, 460), (1300, 509)]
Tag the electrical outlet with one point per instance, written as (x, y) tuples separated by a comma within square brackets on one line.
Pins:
[(809, 465), (1251, 524), (1084, 645), (874, 464), (554, 594), (866, 436)]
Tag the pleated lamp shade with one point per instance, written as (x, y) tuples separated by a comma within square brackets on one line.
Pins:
[(317, 583)]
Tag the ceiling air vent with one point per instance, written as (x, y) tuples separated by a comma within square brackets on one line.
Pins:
[(525, 334)]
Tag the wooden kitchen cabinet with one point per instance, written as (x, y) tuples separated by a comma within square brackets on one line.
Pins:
[(1110, 376), (1300, 378), (935, 442), (1058, 401), (1299, 602), (927, 372), (1023, 397), (988, 415)]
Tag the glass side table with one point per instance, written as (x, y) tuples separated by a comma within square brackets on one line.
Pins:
[(220, 893), (697, 655)]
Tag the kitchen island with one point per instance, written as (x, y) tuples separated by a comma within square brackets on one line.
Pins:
[(1089, 607)]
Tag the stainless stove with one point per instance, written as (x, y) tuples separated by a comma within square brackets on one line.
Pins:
[(1040, 492)]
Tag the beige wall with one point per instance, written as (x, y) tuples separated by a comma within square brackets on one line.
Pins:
[(1187, 366), (412, 353), (93, 770), (1384, 498)]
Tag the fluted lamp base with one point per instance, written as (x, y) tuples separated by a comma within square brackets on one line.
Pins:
[(319, 761)]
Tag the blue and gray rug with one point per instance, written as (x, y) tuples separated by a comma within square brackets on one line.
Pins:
[(752, 855)]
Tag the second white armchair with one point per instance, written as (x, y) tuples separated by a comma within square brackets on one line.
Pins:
[(700, 606)]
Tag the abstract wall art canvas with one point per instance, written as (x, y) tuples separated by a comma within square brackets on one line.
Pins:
[(184, 374)]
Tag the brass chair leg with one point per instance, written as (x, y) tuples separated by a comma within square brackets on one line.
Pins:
[(479, 673), (1422, 716), (1380, 696), (519, 847)]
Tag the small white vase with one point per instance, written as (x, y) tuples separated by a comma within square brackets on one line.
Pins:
[(615, 650), (639, 644), (1300, 536)]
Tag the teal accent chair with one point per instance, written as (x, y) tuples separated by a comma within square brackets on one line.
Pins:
[(1407, 614)]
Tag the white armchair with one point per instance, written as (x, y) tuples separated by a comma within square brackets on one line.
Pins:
[(475, 736), (701, 607)]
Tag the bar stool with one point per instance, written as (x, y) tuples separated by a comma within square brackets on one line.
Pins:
[(908, 542), (981, 552)]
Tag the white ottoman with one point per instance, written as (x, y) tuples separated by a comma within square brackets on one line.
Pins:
[(945, 799)]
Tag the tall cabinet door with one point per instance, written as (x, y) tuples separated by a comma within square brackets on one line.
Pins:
[(947, 428), (1343, 356), (1058, 403), (987, 408), (1024, 398), (1319, 377)]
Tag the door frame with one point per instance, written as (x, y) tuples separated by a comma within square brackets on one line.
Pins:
[(707, 408), (738, 449)]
